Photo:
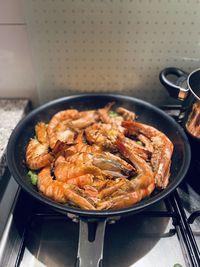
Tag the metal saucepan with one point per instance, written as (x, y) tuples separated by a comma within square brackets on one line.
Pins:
[(186, 87), (90, 253)]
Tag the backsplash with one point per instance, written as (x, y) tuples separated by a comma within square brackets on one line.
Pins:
[(107, 46)]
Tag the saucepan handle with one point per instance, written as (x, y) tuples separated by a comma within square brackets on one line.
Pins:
[(91, 243), (175, 88)]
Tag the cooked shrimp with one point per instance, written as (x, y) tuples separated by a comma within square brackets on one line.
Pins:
[(37, 155), (41, 133), (74, 166), (138, 148), (122, 201), (103, 135), (145, 176), (82, 181), (100, 165), (147, 143), (61, 192), (99, 159), (104, 113), (126, 114), (110, 189), (85, 118), (112, 164), (139, 187), (58, 126), (81, 146), (163, 149), (106, 162), (115, 118), (63, 132)]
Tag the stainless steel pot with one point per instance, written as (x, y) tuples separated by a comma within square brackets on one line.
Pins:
[(185, 87)]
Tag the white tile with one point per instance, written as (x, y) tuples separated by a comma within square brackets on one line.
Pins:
[(11, 11), (16, 68)]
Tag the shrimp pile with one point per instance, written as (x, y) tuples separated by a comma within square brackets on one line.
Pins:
[(98, 159)]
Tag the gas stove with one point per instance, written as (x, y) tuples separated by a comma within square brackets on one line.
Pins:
[(167, 234)]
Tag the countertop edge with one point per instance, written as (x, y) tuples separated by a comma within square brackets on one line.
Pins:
[(12, 111)]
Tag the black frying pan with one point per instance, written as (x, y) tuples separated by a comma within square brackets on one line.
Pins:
[(146, 112)]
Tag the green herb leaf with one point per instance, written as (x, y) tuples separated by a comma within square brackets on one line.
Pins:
[(33, 177), (113, 114), (139, 143), (177, 265)]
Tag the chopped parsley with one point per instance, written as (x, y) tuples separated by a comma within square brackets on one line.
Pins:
[(139, 143), (113, 114)]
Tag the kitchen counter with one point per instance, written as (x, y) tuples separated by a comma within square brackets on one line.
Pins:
[(12, 111)]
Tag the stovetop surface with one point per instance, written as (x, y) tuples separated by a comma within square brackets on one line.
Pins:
[(137, 240), (39, 236)]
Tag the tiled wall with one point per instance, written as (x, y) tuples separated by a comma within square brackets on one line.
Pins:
[(16, 68)]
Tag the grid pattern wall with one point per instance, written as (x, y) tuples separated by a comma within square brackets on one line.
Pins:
[(115, 46)]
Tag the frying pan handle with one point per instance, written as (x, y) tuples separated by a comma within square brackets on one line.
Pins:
[(174, 89), (91, 242)]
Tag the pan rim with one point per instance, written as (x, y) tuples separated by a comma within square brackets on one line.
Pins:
[(105, 213)]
